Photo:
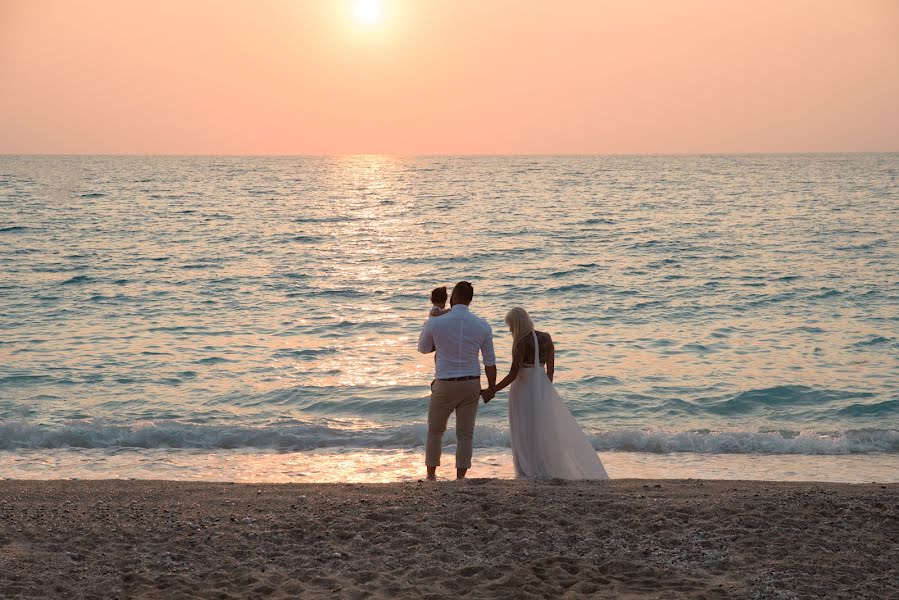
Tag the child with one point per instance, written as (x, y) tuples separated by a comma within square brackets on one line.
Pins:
[(438, 301)]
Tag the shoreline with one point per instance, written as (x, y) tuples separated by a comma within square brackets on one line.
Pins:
[(386, 465), (483, 537)]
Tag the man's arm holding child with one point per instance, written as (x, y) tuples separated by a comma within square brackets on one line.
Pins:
[(426, 339)]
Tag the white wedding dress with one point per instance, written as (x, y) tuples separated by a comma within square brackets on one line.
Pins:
[(546, 440)]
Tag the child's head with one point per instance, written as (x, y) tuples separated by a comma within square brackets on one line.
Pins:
[(438, 296)]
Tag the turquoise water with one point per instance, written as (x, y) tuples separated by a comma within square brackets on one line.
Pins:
[(700, 304)]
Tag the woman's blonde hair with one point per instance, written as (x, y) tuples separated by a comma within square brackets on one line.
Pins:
[(519, 322)]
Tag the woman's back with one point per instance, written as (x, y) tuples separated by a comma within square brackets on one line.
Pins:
[(526, 348)]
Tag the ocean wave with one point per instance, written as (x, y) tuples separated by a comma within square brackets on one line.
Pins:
[(874, 341), (574, 287), (213, 360), (830, 293), (299, 436), (880, 409), (304, 353), (77, 279), (780, 397), (20, 380), (325, 219), (860, 441)]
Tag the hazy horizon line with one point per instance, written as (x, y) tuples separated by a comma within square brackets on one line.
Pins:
[(436, 155)]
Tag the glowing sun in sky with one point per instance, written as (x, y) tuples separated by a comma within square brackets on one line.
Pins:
[(368, 11)]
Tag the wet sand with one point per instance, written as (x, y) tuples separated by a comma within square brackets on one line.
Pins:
[(477, 539)]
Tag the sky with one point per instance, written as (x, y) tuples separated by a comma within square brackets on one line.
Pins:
[(448, 76)]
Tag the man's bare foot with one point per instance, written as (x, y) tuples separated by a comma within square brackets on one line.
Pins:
[(460, 473), (432, 473)]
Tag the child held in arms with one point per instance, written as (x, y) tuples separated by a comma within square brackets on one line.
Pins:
[(438, 302), (438, 307)]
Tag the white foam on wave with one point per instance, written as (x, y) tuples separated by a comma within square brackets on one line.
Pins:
[(861, 441), (16, 435)]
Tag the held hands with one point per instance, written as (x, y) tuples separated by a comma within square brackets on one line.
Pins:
[(488, 394)]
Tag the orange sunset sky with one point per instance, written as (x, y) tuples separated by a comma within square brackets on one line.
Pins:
[(448, 76)]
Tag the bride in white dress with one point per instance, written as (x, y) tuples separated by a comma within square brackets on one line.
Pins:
[(546, 440)]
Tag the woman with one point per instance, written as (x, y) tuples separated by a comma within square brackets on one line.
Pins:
[(546, 440)]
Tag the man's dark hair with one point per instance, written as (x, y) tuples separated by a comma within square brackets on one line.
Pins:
[(463, 292), (438, 295)]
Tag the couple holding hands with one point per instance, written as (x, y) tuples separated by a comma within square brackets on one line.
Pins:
[(546, 440)]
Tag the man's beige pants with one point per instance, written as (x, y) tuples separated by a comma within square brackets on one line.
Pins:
[(446, 397)]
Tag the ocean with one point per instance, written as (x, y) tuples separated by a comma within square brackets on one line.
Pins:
[(256, 318)]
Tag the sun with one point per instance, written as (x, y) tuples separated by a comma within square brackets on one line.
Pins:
[(368, 11)]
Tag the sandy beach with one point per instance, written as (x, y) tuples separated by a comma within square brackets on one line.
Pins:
[(477, 539)]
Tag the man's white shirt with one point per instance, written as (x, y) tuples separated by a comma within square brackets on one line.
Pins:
[(458, 336)]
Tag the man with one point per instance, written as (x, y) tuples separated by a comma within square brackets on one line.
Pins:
[(457, 337)]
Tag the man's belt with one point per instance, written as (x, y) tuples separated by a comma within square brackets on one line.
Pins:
[(466, 378)]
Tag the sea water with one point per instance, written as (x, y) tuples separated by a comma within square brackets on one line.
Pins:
[(256, 318)]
